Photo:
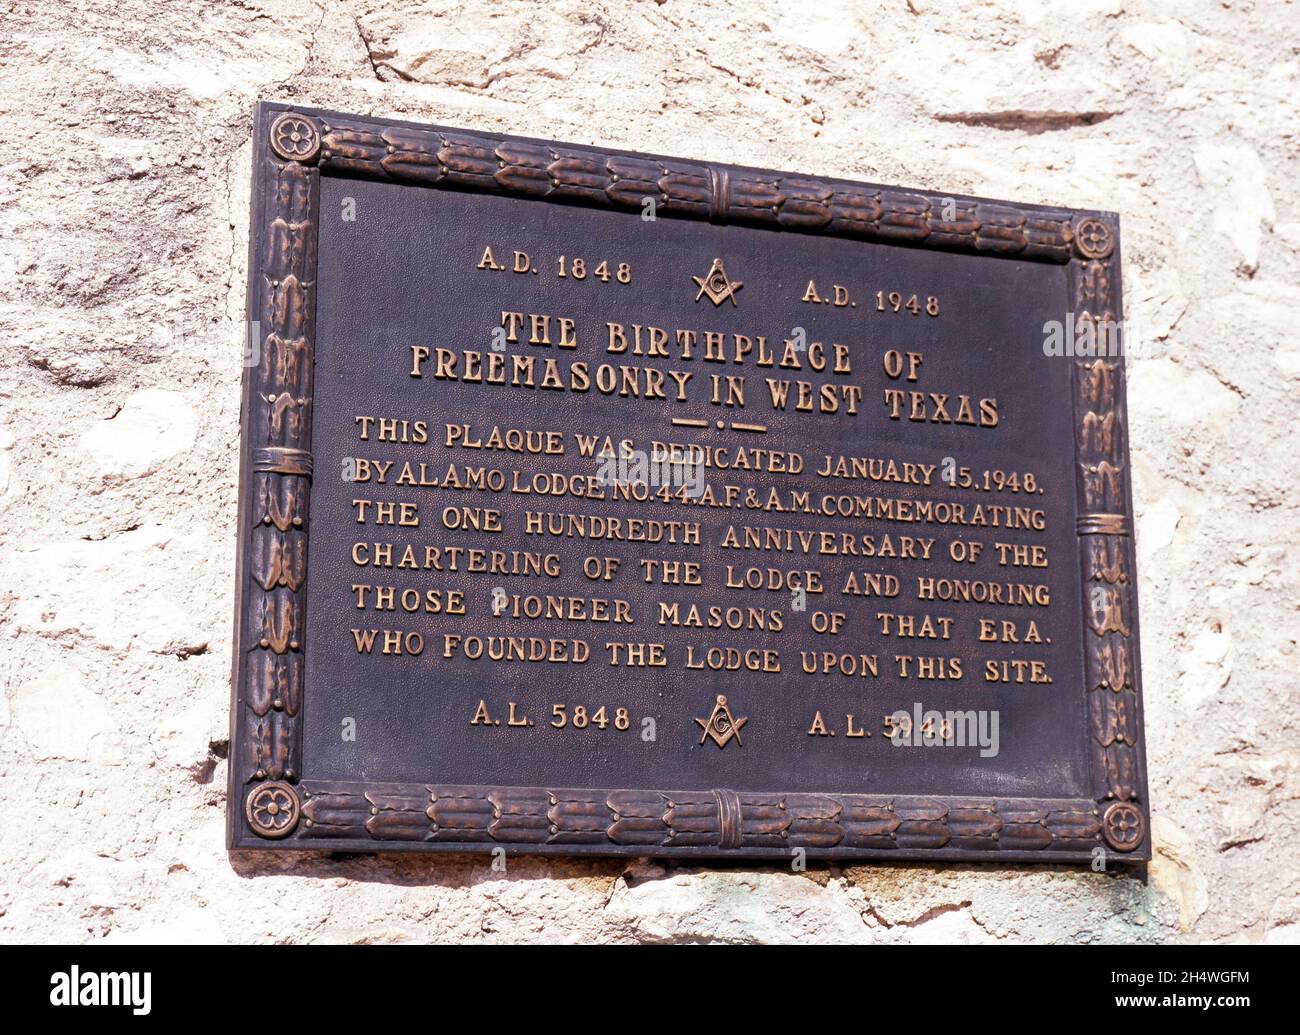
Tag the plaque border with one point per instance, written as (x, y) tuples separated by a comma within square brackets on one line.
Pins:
[(273, 801)]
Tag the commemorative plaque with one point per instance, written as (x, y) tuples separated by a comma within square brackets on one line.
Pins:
[(597, 503)]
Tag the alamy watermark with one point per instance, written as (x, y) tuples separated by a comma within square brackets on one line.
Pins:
[(167, 338), (75, 987), (930, 728), (1085, 335), (657, 469)]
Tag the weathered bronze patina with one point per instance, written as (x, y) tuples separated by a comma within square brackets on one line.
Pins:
[(597, 503)]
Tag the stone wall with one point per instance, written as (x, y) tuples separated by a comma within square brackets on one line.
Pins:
[(123, 238)]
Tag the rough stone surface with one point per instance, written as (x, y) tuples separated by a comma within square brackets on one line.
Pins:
[(123, 223), (152, 426)]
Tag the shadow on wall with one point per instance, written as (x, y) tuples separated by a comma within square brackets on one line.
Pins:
[(466, 869)]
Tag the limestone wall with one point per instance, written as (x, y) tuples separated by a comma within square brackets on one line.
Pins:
[(123, 235)]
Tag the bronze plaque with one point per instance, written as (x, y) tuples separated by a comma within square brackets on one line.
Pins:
[(597, 503)]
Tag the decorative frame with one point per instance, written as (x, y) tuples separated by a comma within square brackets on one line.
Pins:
[(274, 802)]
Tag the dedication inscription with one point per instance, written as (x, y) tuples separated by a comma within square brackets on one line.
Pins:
[(598, 503)]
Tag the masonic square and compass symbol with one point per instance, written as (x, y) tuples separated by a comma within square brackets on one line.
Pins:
[(721, 725), (717, 285)]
